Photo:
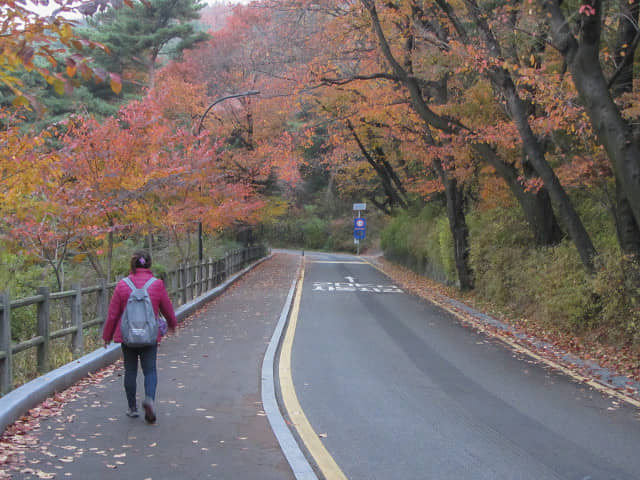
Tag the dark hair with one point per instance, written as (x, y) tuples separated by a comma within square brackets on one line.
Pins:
[(140, 259)]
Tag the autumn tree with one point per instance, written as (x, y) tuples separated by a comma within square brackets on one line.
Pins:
[(415, 30), (576, 31), (240, 58), (27, 36)]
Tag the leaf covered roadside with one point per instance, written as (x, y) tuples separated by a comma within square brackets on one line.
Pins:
[(22, 436), (576, 353)]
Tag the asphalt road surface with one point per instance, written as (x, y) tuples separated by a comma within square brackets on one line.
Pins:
[(398, 389)]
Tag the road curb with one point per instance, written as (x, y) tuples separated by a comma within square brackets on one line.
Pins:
[(22, 399), (302, 470)]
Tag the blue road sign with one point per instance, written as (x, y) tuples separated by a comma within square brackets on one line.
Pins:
[(359, 228)]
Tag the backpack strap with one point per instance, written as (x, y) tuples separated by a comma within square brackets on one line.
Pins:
[(148, 284), (130, 284)]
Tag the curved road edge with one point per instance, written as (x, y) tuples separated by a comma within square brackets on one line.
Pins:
[(453, 307), (22, 399)]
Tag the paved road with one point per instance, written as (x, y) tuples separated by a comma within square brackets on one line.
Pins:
[(211, 422), (397, 389)]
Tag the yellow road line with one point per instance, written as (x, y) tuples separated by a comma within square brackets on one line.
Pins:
[(519, 348), (310, 438)]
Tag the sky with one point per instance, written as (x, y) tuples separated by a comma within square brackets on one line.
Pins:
[(48, 9)]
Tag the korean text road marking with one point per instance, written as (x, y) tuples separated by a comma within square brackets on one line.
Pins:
[(354, 287)]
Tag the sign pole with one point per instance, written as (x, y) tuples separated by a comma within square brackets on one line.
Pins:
[(359, 226), (358, 244)]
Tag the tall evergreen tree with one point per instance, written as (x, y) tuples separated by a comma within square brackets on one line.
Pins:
[(139, 36)]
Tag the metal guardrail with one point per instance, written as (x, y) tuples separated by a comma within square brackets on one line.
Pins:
[(184, 284)]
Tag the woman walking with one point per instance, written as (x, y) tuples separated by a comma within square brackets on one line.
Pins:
[(140, 275)]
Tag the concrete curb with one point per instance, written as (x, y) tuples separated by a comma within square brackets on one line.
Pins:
[(22, 399), (290, 447)]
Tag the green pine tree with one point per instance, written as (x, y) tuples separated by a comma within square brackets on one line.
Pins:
[(139, 38)]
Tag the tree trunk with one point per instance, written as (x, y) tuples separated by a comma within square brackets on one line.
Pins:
[(456, 201), (95, 263), (582, 58), (150, 243), (383, 170), (504, 86), (626, 225), (536, 207), (178, 244), (626, 46), (247, 103), (109, 255), (622, 82), (534, 154)]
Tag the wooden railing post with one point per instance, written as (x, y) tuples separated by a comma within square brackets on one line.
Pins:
[(6, 362), (183, 290), (197, 275), (103, 301), (77, 338), (43, 330), (189, 282), (226, 265), (234, 259), (174, 283), (205, 274)]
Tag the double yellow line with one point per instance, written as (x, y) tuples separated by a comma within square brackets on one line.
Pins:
[(323, 459)]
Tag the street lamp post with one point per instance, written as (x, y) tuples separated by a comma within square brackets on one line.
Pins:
[(217, 101)]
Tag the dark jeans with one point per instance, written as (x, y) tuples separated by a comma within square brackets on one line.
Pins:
[(147, 357)]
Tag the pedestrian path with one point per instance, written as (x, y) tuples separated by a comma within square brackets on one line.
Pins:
[(211, 422)]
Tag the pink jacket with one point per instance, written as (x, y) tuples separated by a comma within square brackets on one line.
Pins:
[(159, 299)]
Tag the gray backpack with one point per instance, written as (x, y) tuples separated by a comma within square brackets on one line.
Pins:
[(139, 326)]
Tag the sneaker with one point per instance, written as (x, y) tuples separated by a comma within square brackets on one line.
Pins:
[(149, 411), (133, 413)]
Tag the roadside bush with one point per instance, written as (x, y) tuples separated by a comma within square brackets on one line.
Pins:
[(547, 285), (284, 232), (421, 241), (560, 288), (550, 284), (340, 236), (21, 278), (615, 285), (499, 240), (445, 242), (394, 239)]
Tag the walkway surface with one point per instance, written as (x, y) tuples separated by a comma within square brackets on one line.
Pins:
[(211, 422)]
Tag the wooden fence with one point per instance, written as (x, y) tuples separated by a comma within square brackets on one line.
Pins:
[(184, 284)]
